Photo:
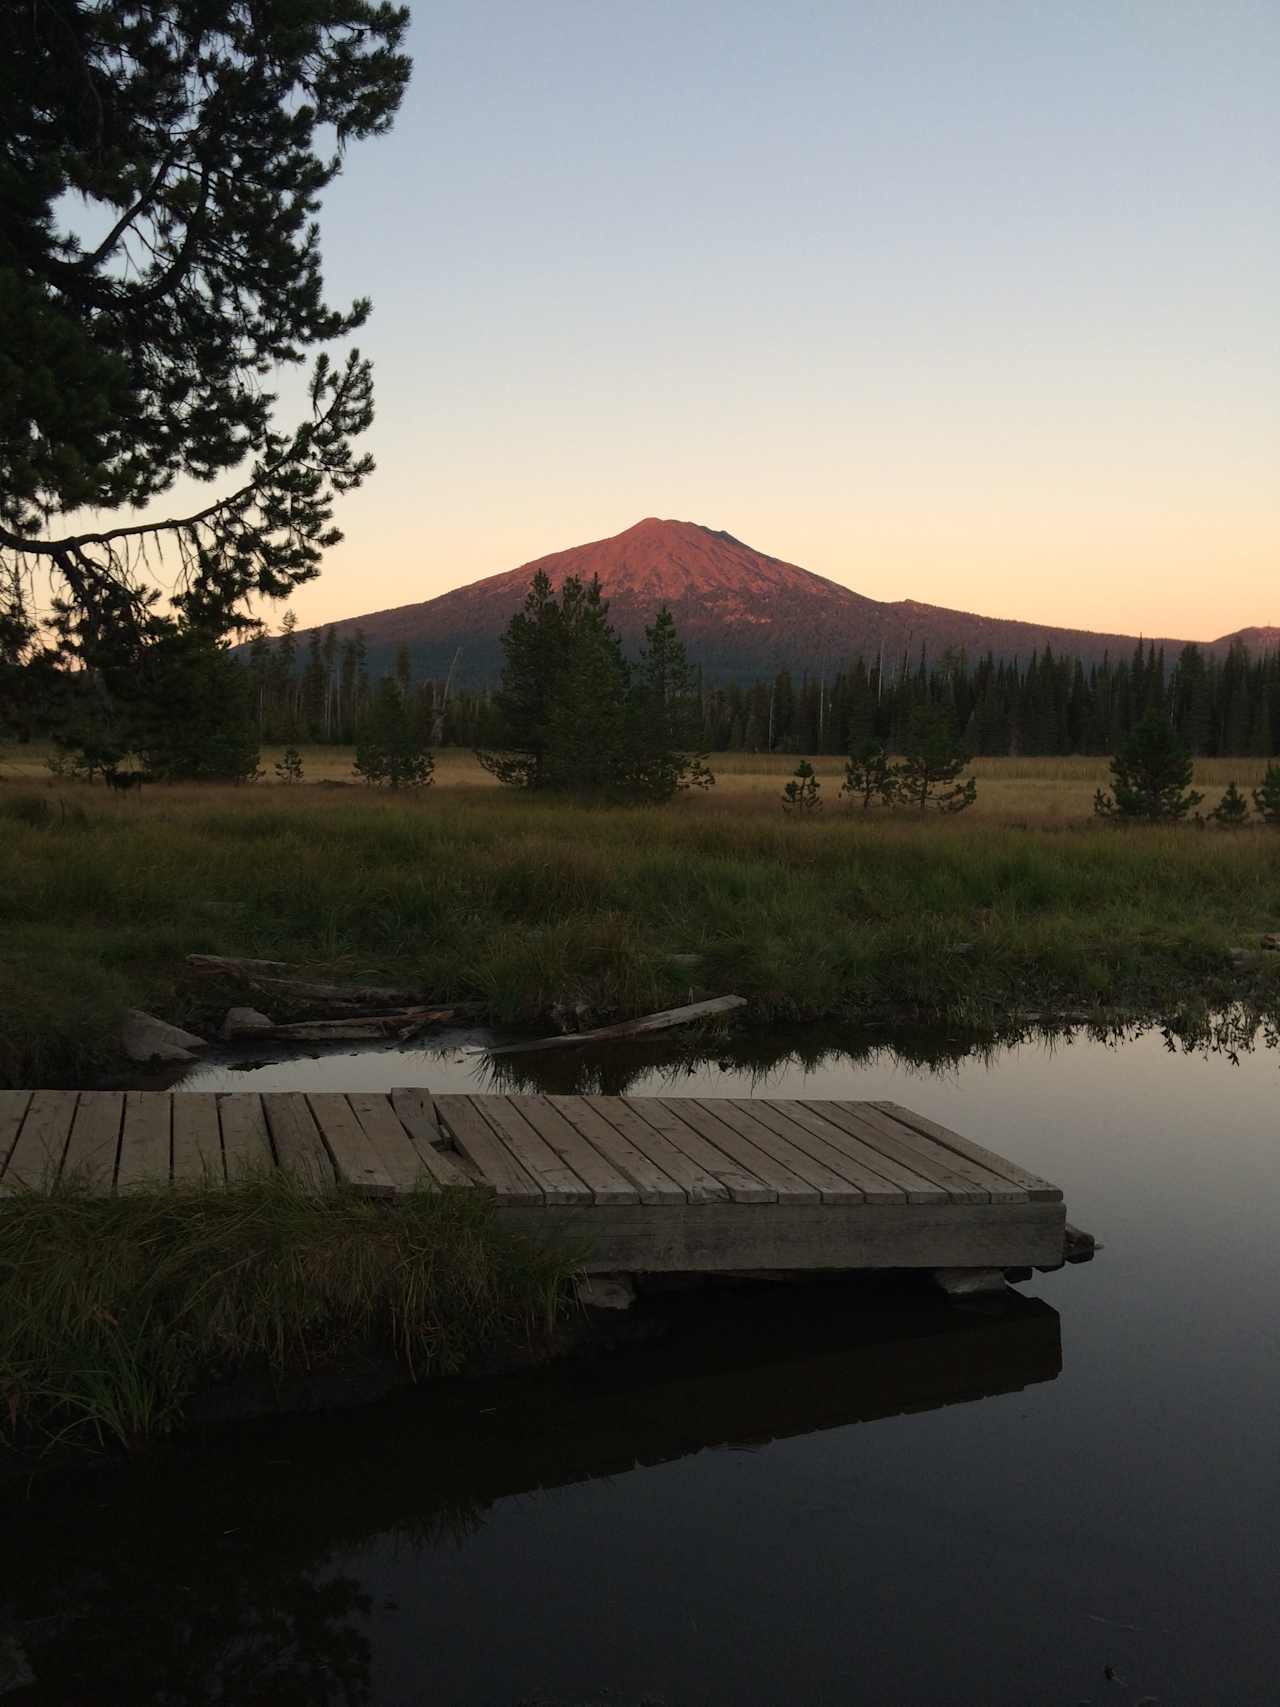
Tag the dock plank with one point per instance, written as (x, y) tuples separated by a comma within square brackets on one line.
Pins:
[(741, 1185), (918, 1187), (300, 1149), (197, 1140), (740, 1117), (698, 1185), (355, 1160), (246, 1143), (997, 1188), (13, 1108), (651, 1183), (94, 1142), (396, 1150), (924, 1155), (1038, 1190), (879, 1133), (416, 1113), (810, 1132), (480, 1144), (575, 1150), (145, 1140), (36, 1157), (787, 1185), (550, 1172)]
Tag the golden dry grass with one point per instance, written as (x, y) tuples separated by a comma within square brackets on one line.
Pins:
[(1038, 791)]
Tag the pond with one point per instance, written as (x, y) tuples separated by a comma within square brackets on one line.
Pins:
[(832, 1493)]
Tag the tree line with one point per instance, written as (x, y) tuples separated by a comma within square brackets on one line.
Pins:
[(1048, 704)]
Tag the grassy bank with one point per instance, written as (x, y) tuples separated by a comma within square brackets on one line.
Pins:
[(523, 904), (117, 1311)]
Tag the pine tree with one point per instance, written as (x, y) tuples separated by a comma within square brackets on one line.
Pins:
[(665, 717), (588, 723), (1232, 810), (1266, 797), (392, 749), (933, 758), (803, 794), (869, 777), (289, 767), (562, 707), (199, 136), (1151, 775)]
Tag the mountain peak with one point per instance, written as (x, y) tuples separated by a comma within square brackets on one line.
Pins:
[(740, 612)]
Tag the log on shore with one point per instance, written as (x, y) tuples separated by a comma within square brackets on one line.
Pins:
[(233, 968), (662, 1021), (401, 1025), (357, 995)]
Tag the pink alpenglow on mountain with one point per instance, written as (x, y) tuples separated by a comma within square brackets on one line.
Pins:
[(740, 613)]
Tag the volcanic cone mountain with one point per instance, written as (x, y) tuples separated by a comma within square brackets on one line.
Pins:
[(740, 613)]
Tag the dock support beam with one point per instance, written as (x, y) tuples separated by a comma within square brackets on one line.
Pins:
[(966, 1282)]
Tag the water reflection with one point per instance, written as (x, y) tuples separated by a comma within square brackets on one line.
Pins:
[(732, 1061), (228, 1576), (1034, 1546)]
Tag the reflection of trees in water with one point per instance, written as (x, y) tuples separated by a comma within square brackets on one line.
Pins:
[(766, 1057), (160, 1593)]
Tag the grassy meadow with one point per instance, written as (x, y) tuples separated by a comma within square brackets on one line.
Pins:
[(1023, 903)]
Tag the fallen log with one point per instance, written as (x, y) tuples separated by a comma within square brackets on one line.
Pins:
[(356, 994), (232, 968), (271, 978), (401, 1025), (629, 1028)]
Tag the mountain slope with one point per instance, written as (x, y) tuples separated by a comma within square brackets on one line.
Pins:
[(740, 613)]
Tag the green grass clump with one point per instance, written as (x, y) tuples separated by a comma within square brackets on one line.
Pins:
[(117, 1310)]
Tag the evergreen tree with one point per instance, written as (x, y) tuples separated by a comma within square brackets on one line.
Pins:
[(933, 758), (803, 794), (588, 726), (289, 767), (392, 747), (1266, 797), (192, 132), (869, 778), (665, 718), (1232, 810), (1151, 775)]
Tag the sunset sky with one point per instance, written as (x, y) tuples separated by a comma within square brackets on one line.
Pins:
[(974, 303)]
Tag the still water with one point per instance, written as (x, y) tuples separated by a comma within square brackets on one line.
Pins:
[(839, 1493)]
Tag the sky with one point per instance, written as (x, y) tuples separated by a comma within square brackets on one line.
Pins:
[(968, 301)]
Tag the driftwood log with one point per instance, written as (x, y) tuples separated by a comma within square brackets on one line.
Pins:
[(272, 978), (630, 1028), (401, 1025), (230, 968)]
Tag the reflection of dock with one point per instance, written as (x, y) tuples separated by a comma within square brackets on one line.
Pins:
[(186, 1575), (638, 1184), (753, 1374)]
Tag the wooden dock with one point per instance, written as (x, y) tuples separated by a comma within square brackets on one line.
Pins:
[(639, 1184)]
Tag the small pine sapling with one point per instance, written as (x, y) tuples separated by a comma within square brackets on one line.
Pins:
[(869, 777), (1150, 776), (803, 794), (289, 768), (1266, 797), (929, 774), (1232, 810)]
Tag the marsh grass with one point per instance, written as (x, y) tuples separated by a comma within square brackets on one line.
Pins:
[(521, 904), (116, 1310)]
